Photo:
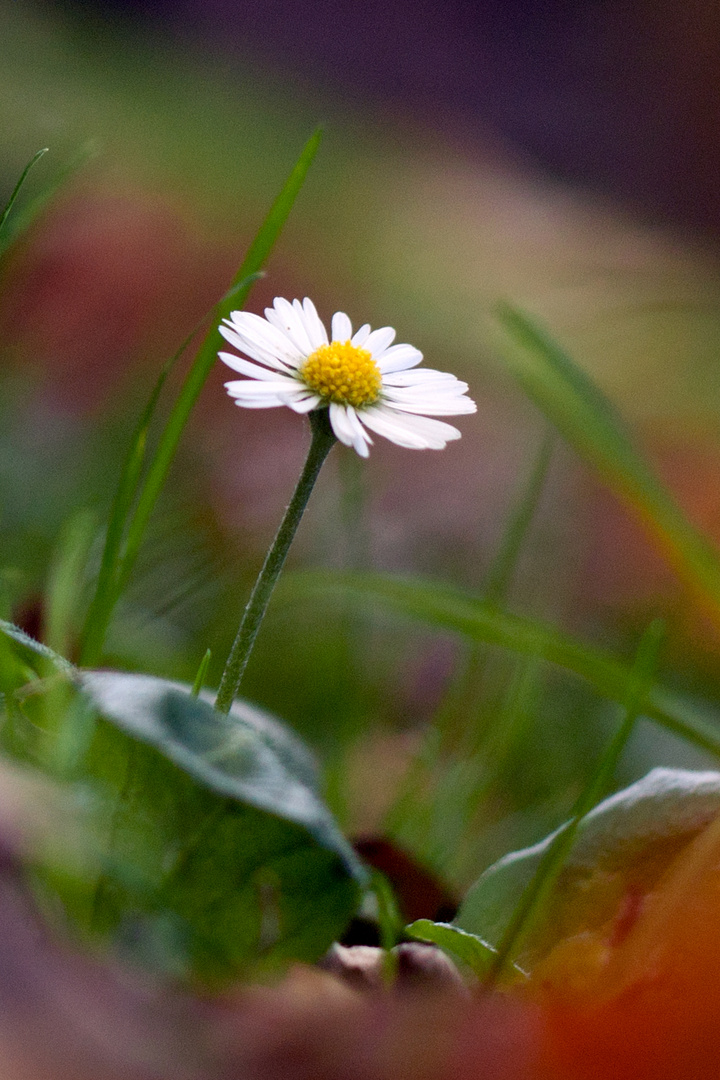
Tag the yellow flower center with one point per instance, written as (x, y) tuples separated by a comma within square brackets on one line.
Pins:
[(342, 373)]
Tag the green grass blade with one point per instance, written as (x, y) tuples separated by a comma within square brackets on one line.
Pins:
[(464, 698), (591, 424), (62, 593), (259, 251), (201, 673), (537, 892), (502, 569), (451, 610), (109, 583), (117, 562), (22, 219), (16, 191)]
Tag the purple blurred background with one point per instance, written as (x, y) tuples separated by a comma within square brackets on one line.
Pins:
[(621, 98)]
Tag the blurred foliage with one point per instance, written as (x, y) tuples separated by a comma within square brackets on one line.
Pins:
[(401, 227)]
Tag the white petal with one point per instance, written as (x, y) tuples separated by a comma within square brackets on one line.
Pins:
[(348, 429), (238, 363), (362, 439), (263, 355), (261, 341), (276, 320), (314, 324), (293, 324), (261, 403), (254, 328), (378, 420), (360, 336), (431, 429), (339, 423), (341, 327), (378, 341), (422, 375), (397, 358), (432, 406), (416, 432), (253, 388), (305, 404)]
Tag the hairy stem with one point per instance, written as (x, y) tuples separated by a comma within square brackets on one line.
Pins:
[(323, 440)]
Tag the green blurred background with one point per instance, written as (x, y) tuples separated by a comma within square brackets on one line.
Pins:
[(416, 216)]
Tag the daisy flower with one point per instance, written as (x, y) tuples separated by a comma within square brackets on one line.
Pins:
[(366, 382)]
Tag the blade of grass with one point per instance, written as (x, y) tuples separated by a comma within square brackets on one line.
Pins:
[(390, 923), (537, 892), (254, 260), (133, 523), (202, 673), (109, 585), (591, 424), (23, 219), (503, 567), (449, 609), (16, 190), (455, 731), (62, 593), (466, 698)]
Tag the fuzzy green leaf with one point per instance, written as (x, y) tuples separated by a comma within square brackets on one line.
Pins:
[(215, 828), (27, 642)]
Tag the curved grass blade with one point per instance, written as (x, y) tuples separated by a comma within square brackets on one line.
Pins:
[(496, 586), (464, 726), (12, 226), (117, 564), (16, 190), (537, 892), (65, 580), (201, 673), (254, 260), (594, 428), (109, 583), (450, 609)]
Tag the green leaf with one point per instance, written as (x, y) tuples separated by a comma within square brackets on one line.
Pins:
[(657, 814), (466, 946), (450, 609), (216, 829), (591, 424)]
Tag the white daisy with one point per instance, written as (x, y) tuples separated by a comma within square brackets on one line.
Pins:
[(365, 381)]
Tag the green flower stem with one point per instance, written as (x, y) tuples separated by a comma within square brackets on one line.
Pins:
[(322, 443)]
